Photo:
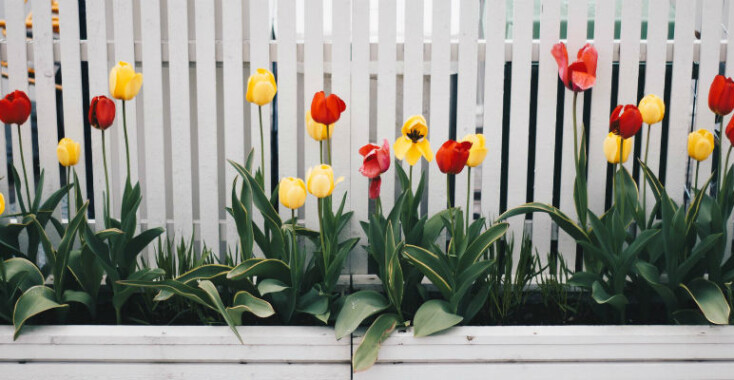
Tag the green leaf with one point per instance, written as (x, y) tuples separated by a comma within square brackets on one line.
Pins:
[(34, 301), (314, 303), (211, 291), (21, 273), (271, 285), (138, 243), (80, 297), (618, 301), (356, 308), (146, 274), (481, 244), (434, 316), (563, 221), (431, 266), (710, 299), (246, 302), (651, 274), (366, 354), (583, 279), (263, 268), (178, 288)]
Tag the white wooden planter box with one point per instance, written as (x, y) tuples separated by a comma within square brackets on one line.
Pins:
[(559, 352), (173, 352)]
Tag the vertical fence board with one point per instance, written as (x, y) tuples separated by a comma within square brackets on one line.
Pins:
[(260, 58), (680, 103), (71, 70), (440, 91), (413, 65), (729, 73), (629, 58), (550, 18), (386, 85), (18, 80), (233, 83), (577, 12), (313, 81), (45, 97), (206, 105), (287, 94), (360, 120)]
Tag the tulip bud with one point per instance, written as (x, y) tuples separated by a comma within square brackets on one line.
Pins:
[(292, 192), (261, 87), (320, 181), (2, 203), (700, 144), (68, 152), (101, 112), (327, 109), (316, 130), (451, 157), (625, 121), (15, 108), (478, 149), (721, 95), (611, 148), (652, 109), (125, 83)]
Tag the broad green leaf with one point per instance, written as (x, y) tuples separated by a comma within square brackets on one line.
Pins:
[(358, 307), (246, 302), (211, 291), (710, 299), (80, 297), (314, 303), (563, 221), (434, 316), (138, 243), (583, 279), (366, 354), (271, 285), (651, 274), (34, 301), (263, 268), (431, 266), (618, 301), (178, 288), (21, 273), (481, 244)]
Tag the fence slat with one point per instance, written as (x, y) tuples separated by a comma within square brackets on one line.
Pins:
[(519, 113), (600, 103), (629, 58), (45, 96), (413, 67), (550, 18), (234, 97), (71, 70), (313, 81), (360, 120), (18, 80), (729, 73), (466, 102), (680, 104), (260, 58), (577, 12), (206, 111), (287, 94), (386, 86), (438, 126)]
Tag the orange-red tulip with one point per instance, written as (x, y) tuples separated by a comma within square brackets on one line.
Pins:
[(580, 75), (15, 108), (721, 95), (452, 156), (326, 109), (625, 121), (101, 112)]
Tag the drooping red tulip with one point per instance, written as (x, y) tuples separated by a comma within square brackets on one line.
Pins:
[(375, 184), (376, 159), (580, 75), (101, 112), (625, 121), (721, 95), (452, 156), (326, 109), (15, 108)]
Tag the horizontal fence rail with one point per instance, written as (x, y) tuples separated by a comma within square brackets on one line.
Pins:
[(468, 66)]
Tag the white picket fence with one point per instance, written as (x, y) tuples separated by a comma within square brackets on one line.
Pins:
[(387, 59)]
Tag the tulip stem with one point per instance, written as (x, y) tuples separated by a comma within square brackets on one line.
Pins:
[(262, 145), (328, 144), (410, 179), (726, 166), (448, 192), (127, 145), (575, 134), (25, 173), (622, 196), (321, 233), (644, 182), (294, 253), (698, 163), (378, 205), (106, 181), (68, 195), (321, 151), (468, 194)]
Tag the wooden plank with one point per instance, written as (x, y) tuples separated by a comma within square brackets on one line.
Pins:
[(519, 115), (18, 80), (206, 111), (359, 110), (234, 97), (413, 64), (287, 94), (386, 86), (438, 125), (629, 57), (313, 81), (550, 18), (600, 102), (680, 104), (729, 73), (71, 71), (45, 96), (260, 58)]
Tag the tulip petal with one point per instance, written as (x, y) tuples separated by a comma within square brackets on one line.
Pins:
[(561, 55), (425, 148), (133, 86), (401, 147)]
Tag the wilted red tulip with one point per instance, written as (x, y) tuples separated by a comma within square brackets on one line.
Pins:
[(101, 112), (15, 108), (625, 121), (376, 159), (375, 184), (721, 95), (326, 109), (580, 75), (452, 156)]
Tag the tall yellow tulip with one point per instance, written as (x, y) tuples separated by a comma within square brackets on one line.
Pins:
[(261, 87), (652, 109), (316, 130), (478, 150), (611, 148), (125, 83), (68, 152), (700, 144), (292, 192), (413, 143), (320, 181)]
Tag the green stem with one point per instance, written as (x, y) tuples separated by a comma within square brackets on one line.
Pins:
[(410, 179), (262, 145), (726, 166), (68, 195), (644, 183), (448, 193), (622, 196), (698, 163), (321, 151), (719, 174), (378, 206), (25, 173), (127, 144), (328, 144), (321, 233), (294, 259), (468, 193), (575, 133), (106, 182)]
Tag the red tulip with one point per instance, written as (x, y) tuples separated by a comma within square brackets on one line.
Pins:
[(625, 121), (580, 75), (721, 95), (15, 108), (730, 131), (376, 159), (326, 109), (101, 112), (375, 187), (452, 156)]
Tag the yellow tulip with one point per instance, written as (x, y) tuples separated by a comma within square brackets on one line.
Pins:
[(316, 130), (478, 149), (413, 143), (292, 192), (611, 148), (68, 152), (652, 109), (320, 181), (124, 81), (700, 144), (2, 203), (261, 87)]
